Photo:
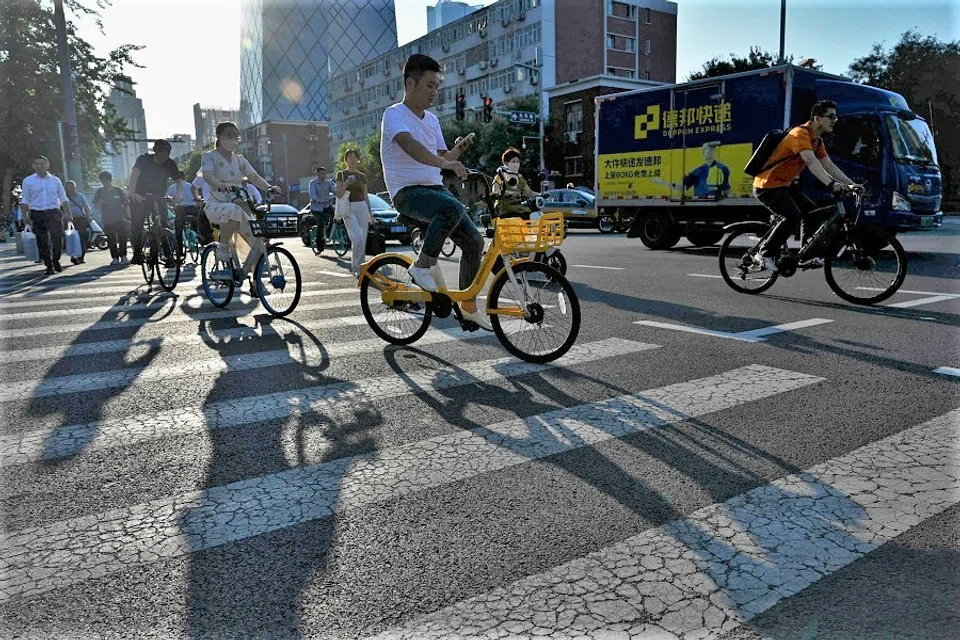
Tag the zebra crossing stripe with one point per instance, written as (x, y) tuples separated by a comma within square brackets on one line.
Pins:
[(39, 559), (69, 440), (726, 563), (178, 302), (251, 309), (101, 294), (143, 341), (306, 354)]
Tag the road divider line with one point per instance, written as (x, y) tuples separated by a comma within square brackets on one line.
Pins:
[(705, 275), (39, 559), (948, 371), (921, 301), (724, 564), (337, 274), (591, 266)]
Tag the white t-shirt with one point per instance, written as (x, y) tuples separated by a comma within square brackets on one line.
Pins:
[(204, 188), (254, 194), (399, 169), (43, 194), (187, 200)]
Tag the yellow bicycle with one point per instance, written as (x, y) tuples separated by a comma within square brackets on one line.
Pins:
[(534, 311)]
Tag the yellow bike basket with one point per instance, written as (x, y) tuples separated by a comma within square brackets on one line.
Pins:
[(516, 235)]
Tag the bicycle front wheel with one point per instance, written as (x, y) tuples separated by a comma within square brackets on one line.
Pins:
[(544, 312), (402, 322), (340, 240), (147, 256), (218, 291), (865, 270), (278, 281), (168, 260), (737, 265)]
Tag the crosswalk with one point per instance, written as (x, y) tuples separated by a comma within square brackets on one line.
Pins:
[(171, 466)]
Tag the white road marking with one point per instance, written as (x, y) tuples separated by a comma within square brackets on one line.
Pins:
[(726, 563), (39, 559), (304, 353), (948, 371), (251, 309), (338, 274), (190, 302), (705, 275), (590, 266), (931, 297), (756, 335)]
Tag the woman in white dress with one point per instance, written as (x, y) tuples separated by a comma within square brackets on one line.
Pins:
[(223, 169)]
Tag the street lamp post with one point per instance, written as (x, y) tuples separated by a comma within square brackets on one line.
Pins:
[(783, 29)]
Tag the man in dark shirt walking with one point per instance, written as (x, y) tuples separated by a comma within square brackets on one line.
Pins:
[(149, 178), (114, 210)]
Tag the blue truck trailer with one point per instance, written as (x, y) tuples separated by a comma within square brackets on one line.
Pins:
[(672, 157)]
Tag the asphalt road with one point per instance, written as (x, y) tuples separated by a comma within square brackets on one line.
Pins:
[(170, 470)]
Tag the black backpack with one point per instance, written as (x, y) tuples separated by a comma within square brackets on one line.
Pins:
[(758, 161)]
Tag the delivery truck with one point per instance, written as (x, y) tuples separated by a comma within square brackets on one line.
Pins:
[(672, 157)]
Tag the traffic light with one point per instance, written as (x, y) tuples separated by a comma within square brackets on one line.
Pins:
[(461, 106), (487, 109)]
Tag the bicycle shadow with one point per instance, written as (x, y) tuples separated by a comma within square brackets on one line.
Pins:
[(249, 567)]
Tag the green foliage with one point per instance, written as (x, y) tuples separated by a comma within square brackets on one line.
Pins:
[(30, 82), (926, 72), (756, 59), (371, 164), (192, 165)]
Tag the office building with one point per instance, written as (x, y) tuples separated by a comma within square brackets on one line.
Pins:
[(205, 121), (124, 99), (447, 11), (287, 153), (289, 49), (512, 49), (181, 144)]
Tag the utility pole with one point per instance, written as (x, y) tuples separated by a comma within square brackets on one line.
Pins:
[(783, 29), (73, 170), (543, 116)]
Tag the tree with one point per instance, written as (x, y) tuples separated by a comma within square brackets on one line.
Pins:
[(192, 166), (31, 98), (371, 164), (756, 59), (925, 72)]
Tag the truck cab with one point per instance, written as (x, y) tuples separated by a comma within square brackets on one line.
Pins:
[(878, 141)]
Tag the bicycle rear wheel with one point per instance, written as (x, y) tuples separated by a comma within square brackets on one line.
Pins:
[(278, 281), (148, 259), (865, 269), (401, 322), (218, 292), (416, 240), (191, 241), (551, 320), (737, 264), (448, 248), (340, 240), (168, 260)]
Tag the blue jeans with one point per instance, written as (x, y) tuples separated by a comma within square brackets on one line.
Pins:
[(445, 217)]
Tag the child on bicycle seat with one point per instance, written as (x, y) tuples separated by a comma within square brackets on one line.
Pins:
[(223, 169), (509, 188), (413, 152)]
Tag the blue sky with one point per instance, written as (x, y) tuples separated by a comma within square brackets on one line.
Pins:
[(192, 55)]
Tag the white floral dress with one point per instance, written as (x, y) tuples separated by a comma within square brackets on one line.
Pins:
[(213, 163)]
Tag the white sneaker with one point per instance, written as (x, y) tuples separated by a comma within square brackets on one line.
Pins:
[(115, 262), (479, 317), (764, 264), (423, 278)]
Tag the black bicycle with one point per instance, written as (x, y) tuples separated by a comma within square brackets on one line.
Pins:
[(861, 264), (160, 253)]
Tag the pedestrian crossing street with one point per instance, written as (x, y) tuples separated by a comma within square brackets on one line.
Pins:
[(175, 470)]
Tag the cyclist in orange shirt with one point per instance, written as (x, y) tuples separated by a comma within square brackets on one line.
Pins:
[(777, 188)]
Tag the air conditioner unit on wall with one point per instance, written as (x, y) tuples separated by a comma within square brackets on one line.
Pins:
[(494, 62), (521, 16), (483, 64)]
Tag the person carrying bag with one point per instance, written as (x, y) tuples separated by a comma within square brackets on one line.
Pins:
[(357, 215)]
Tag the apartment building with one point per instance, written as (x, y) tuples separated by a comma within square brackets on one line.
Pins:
[(512, 49)]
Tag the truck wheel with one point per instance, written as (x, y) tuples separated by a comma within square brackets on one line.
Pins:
[(657, 231), (606, 224), (705, 237)]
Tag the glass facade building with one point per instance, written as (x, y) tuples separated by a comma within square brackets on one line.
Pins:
[(289, 49)]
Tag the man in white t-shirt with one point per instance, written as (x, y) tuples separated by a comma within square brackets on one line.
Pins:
[(413, 153)]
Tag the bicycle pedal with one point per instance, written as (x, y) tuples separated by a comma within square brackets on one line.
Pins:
[(469, 325)]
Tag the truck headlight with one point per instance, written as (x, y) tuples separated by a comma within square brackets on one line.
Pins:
[(900, 203)]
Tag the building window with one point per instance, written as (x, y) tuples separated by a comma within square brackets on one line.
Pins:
[(621, 43), (611, 42), (574, 166), (575, 117), (621, 73), (646, 16), (646, 48)]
